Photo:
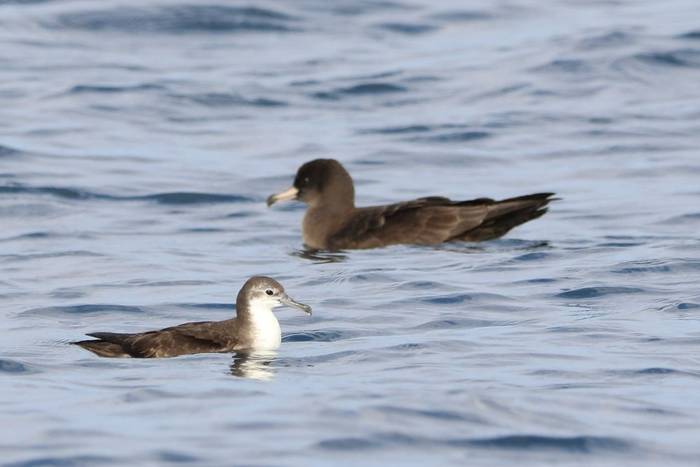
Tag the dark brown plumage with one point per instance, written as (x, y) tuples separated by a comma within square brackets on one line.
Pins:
[(253, 328), (332, 222)]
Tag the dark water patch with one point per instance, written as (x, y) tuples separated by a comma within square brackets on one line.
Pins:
[(658, 266), (83, 309), (370, 277), (177, 457), (653, 371), (687, 306), (174, 198), (597, 292), (66, 193), (319, 336), (575, 444), (54, 461), (535, 256), (179, 19), (619, 244), (179, 198), (658, 371), (348, 444), (55, 254), (317, 359), (398, 130), (407, 28), (207, 306), (434, 414), (685, 218), (453, 137), (359, 7), (241, 215), (539, 280), (30, 236), (447, 299), (13, 367), (694, 35), (458, 323), (179, 283), (412, 285), (111, 89), (611, 39), (67, 294), (221, 99), (6, 151), (568, 66), (201, 230), (683, 58), (462, 16), (408, 346), (360, 90), (571, 329)]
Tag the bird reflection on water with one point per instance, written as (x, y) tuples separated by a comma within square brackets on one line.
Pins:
[(254, 365), (319, 256)]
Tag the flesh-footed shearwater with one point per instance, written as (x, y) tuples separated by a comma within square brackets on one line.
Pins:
[(254, 328), (332, 222)]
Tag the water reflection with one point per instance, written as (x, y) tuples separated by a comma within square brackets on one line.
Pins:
[(254, 365), (320, 256)]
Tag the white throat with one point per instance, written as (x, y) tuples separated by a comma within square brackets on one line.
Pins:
[(267, 334)]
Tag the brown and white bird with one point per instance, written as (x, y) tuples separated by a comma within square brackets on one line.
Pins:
[(254, 327), (333, 222)]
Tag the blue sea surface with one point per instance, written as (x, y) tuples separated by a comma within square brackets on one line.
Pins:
[(139, 140)]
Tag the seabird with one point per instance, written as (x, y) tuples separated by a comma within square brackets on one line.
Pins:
[(332, 222), (254, 328)]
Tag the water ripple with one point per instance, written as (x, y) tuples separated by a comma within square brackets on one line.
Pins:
[(180, 19), (83, 309), (13, 366), (597, 292), (580, 444), (358, 90), (683, 58), (174, 198)]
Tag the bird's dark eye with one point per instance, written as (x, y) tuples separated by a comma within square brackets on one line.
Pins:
[(269, 292)]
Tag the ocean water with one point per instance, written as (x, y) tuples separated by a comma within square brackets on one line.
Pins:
[(138, 142)]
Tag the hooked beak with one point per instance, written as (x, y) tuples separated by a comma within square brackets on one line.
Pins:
[(289, 301), (285, 195)]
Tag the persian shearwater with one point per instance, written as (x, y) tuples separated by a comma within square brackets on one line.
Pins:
[(332, 222), (254, 328)]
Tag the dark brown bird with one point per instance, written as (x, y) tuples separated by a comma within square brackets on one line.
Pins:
[(254, 328), (332, 222)]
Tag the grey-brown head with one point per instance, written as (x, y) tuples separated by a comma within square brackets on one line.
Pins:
[(320, 182), (260, 292)]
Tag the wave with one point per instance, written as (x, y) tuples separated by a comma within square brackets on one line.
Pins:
[(111, 89), (83, 309), (581, 444), (172, 198), (6, 151), (597, 292), (179, 19), (570, 444), (220, 99), (365, 89), (319, 336), (408, 28), (13, 366), (683, 58)]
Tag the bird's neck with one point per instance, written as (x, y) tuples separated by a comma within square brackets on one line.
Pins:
[(261, 325)]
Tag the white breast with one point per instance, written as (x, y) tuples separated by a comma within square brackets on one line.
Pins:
[(265, 327)]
